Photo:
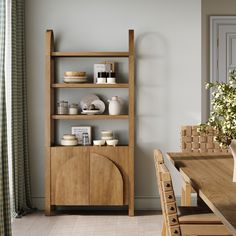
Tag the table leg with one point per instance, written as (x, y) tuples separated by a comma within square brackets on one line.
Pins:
[(186, 194)]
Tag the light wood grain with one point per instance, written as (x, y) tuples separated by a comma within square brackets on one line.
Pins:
[(106, 182), (70, 176), (49, 124), (131, 121), (120, 156), (90, 54), (77, 85), (89, 117), (211, 176)]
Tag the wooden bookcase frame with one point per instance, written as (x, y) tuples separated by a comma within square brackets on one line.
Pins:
[(50, 117)]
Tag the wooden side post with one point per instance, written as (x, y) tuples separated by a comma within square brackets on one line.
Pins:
[(49, 124), (131, 122)]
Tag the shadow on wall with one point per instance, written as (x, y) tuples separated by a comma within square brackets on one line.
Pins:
[(152, 112)]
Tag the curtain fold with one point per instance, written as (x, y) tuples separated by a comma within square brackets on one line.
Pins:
[(5, 209), (20, 155)]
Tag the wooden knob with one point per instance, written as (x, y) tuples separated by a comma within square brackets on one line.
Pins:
[(176, 231), (174, 220), (172, 208), (167, 185), (170, 197)]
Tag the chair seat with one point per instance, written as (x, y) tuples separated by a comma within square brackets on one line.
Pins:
[(197, 215)]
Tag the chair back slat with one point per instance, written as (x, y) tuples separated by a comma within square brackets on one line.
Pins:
[(167, 196), (193, 141)]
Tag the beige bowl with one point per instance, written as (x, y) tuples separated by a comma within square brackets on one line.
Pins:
[(65, 142), (112, 142), (74, 73), (98, 142), (69, 137)]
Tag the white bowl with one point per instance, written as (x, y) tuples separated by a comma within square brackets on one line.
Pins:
[(112, 142), (107, 138), (69, 137), (107, 133), (98, 142), (65, 142)]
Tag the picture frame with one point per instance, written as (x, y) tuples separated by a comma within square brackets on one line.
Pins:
[(79, 130), (105, 66)]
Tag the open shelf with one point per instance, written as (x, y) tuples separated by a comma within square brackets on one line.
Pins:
[(90, 146), (90, 54), (89, 117), (89, 85)]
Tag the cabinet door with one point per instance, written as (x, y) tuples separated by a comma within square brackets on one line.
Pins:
[(106, 181), (69, 176), (119, 156)]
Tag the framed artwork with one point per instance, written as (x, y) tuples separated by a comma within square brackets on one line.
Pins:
[(79, 130)]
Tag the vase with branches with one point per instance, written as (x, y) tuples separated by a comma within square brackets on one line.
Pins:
[(223, 114)]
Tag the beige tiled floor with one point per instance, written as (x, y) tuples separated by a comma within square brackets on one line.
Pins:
[(145, 223)]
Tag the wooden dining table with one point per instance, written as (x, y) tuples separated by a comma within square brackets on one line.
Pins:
[(211, 177)]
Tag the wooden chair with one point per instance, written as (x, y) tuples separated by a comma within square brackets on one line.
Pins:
[(183, 220), (193, 141)]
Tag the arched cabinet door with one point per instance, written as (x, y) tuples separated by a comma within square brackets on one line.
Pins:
[(70, 176), (106, 181)]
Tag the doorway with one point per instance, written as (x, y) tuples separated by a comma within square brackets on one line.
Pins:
[(222, 47)]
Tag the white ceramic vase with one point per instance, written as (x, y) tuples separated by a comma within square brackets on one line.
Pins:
[(114, 106), (232, 147)]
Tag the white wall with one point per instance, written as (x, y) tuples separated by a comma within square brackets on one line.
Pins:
[(168, 71)]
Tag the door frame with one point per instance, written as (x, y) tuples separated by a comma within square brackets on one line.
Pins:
[(215, 23)]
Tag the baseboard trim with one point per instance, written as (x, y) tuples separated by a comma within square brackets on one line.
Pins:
[(140, 202)]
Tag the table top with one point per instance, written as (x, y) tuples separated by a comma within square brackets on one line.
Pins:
[(211, 176)]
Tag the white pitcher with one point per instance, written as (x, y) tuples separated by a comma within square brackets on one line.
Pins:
[(114, 106)]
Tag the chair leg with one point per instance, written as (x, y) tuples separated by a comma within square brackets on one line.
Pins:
[(186, 194), (163, 232)]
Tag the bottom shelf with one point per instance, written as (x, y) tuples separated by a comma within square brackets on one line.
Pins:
[(89, 146)]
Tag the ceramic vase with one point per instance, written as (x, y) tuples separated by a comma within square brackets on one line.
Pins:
[(232, 147), (114, 106)]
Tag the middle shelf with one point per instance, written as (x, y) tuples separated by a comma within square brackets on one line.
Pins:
[(89, 117)]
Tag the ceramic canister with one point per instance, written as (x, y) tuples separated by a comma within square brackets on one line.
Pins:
[(114, 106), (111, 78)]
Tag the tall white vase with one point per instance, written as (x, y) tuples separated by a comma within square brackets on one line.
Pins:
[(114, 107), (232, 147)]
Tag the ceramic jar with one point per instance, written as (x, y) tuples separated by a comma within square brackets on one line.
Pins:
[(114, 107), (62, 108), (73, 109)]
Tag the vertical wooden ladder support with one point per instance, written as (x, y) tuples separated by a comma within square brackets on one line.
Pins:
[(49, 124), (131, 122)]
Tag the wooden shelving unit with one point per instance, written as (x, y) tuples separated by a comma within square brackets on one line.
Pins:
[(87, 175)]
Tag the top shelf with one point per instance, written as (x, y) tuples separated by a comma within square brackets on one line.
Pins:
[(90, 54)]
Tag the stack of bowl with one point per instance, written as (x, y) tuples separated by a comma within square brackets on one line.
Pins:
[(69, 140), (106, 137), (75, 77)]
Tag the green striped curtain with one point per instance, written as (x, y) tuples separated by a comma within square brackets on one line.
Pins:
[(5, 209), (20, 155)]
